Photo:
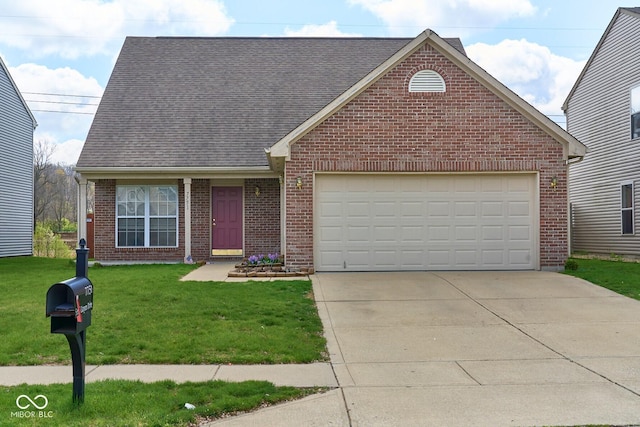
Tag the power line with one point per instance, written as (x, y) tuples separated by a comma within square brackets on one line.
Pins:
[(62, 94), (61, 102), (62, 112)]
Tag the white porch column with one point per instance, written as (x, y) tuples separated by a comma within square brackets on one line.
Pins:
[(187, 220), (82, 210)]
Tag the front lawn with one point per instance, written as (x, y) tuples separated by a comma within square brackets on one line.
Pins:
[(620, 277), (115, 403), (144, 314)]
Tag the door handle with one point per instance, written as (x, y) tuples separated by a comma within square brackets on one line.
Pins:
[(213, 222)]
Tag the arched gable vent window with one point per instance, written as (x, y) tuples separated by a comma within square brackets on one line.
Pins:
[(427, 81)]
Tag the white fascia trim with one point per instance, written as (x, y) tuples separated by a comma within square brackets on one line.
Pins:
[(174, 172)]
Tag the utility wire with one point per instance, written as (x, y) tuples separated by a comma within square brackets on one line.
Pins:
[(61, 102), (63, 112), (61, 94)]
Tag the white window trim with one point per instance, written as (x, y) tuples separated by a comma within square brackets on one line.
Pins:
[(147, 216), (632, 208)]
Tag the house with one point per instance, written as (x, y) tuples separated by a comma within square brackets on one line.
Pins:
[(349, 154), (603, 111), (16, 169)]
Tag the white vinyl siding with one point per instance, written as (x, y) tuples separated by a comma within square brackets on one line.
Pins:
[(369, 222), (16, 171), (598, 115), (427, 81), (146, 216)]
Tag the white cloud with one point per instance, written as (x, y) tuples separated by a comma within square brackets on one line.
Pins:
[(66, 153), (447, 17), (532, 71), (66, 119), (74, 28), (330, 29)]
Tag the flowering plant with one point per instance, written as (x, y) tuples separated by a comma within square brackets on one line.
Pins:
[(263, 259), (273, 258)]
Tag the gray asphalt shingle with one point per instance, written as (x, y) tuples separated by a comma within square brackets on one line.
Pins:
[(219, 102)]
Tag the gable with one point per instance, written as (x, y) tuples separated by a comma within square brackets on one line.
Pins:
[(572, 147), (624, 24), (11, 96), (388, 128)]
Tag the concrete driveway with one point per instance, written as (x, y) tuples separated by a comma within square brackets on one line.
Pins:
[(472, 349)]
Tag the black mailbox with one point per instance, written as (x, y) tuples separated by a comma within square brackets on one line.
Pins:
[(69, 303)]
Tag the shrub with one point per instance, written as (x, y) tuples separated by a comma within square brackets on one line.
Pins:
[(49, 245), (571, 265)]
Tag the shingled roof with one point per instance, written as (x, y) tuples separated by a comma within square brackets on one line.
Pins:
[(219, 102)]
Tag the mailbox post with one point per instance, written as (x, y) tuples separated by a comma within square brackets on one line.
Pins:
[(69, 304)]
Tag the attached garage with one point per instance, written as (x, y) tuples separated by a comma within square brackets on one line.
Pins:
[(459, 221)]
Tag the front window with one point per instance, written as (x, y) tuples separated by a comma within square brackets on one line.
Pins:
[(146, 216), (635, 112), (627, 208)]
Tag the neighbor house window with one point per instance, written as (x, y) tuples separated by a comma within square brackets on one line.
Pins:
[(146, 216), (627, 208), (427, 81), (635, 112)]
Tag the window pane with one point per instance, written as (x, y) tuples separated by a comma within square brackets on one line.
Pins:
[(627, 221), (162, 232), (130, 231), (627, 196), (635, 100), (635, 126)]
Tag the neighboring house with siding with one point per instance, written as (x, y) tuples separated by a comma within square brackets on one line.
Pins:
[(343, 154), (16, 169), (603, 112)]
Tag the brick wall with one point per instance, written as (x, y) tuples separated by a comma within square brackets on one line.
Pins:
[(105, 226), (262, 222), (465, 129), (200, 219), (262, 217)]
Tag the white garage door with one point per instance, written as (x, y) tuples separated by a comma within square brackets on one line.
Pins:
[(425, 222)]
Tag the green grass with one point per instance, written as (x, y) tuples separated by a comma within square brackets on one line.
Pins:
[(133, 403), (144, 314), (618, 276)]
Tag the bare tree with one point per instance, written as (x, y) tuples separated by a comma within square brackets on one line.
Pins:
[(63, 196), (43, 167)]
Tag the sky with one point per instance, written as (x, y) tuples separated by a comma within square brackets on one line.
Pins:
[(61, 53)]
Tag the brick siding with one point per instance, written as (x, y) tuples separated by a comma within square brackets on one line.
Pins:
[(262, 222), (262, 217)]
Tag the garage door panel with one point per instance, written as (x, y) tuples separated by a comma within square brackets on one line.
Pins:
[(465, 234), (438, 209), (519, 233), (385, 234), (418, 222), (518, 209), (358, 234), (492, 209), (493, 233)]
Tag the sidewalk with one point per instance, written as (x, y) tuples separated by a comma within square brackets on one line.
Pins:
[(218, 272), (303, 375)]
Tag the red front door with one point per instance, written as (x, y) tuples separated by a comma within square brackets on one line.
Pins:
[(226, 221)]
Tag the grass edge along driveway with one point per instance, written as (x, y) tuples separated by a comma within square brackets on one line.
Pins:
[(144, 314)]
